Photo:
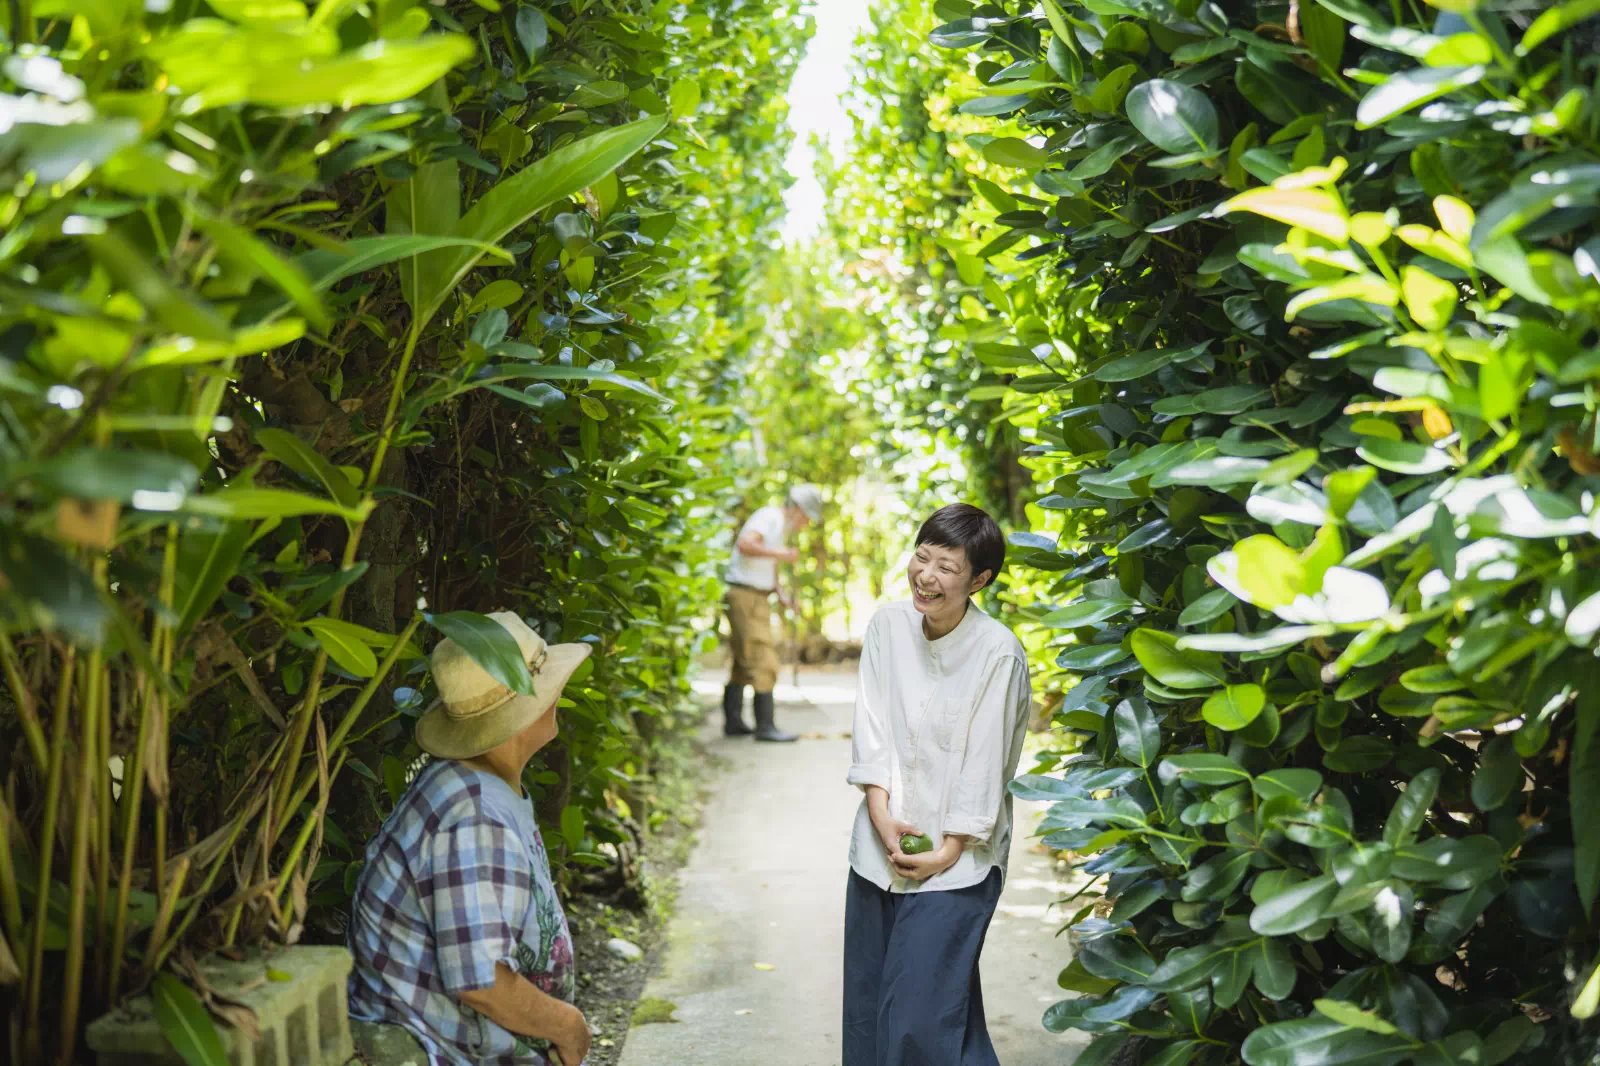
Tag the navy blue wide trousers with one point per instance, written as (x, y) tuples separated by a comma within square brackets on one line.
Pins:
[(911, 991)]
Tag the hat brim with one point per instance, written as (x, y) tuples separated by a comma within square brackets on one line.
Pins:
[(445, 737)]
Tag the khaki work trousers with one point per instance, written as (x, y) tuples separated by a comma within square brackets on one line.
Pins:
[(755, 652)]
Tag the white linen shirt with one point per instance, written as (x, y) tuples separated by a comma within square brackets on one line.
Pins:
[(939, 724), (758, 572)]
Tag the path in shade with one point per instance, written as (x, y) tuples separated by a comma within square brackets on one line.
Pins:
[(766, 885)]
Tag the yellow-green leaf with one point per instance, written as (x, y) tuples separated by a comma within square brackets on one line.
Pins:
[(1431, 300), (1317, 210)]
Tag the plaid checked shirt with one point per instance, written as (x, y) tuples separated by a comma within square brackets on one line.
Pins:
[(456, 881)]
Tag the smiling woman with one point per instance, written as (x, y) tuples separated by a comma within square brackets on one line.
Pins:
[(941, 711)]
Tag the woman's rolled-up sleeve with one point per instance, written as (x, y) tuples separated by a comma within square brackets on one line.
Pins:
[(994, 745), (871, 734)]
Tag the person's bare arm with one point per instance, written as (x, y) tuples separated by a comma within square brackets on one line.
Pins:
[(515, 1004), (890, 829), (753, 544)]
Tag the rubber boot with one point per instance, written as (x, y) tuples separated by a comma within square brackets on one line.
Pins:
[(766, 728), (733, 712)]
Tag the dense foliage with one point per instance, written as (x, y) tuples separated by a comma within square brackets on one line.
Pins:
[(1302, 330), (323, 331)]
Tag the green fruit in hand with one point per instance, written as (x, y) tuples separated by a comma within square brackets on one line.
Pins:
[(911, 845)]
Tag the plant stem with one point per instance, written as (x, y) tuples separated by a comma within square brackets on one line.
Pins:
[(78, 886), (10, 895), (104, 818), (47, 834), (132, 796), (27, 714), (170, 894)]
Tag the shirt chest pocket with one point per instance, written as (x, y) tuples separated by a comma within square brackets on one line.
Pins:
[(951, 715)]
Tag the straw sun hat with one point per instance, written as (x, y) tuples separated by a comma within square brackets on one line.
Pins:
[(475, 712)]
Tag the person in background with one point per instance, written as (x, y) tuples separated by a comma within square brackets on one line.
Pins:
[(752, 579), (942, 708), (457, 933)]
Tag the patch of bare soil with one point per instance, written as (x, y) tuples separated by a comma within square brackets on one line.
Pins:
[(609, 986)]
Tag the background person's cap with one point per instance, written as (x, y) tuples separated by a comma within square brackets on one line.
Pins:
[(809, 499)]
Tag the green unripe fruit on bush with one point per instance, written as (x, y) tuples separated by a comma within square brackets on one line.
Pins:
[(917, 845)]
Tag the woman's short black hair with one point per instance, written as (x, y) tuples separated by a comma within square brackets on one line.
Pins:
[(961, 525)]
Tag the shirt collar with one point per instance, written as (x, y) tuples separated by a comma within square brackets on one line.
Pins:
[(953, 640)]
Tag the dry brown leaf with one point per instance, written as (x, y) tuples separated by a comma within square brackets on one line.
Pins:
[(239, 1016), (154, 756), (91, 523), (230, 654), (10, 973)]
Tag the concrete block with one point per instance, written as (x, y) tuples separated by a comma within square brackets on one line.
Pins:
[(386, 1045), (304, 1021)]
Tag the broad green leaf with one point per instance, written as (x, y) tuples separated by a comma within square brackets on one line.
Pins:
[(1353, 1016), (1295, 781), (1556, 20), (149, 481), (186, 1024), (1138, 732), (489, 645), (1359, 755), (1295, 908), (1499, 773), (1271, 573), (1453, 863), (1235, 707), (1322, 1041), (328, 268), (1411, 808), (1412, 88), (346, 645), (533, 31), (207, 562), (1431, 300), (563, 173), (561, 372), (306, 461), (1204, 768), (1014, 152), (1086, 612), (246, 502), (1173, 116), (684, 96), (1403, 456), (1118, 958), (1158, 653), (237, 243), (1212, 605), (428, 203), (176, 309)]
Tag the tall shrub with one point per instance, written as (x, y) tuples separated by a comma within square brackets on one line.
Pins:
[(1313, 289), (322, 331)]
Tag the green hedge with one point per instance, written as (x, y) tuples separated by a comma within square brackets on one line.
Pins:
[(322, 331), (1302, 301)]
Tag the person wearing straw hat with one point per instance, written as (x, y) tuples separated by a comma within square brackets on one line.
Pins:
[(752, 579), (456, 930)]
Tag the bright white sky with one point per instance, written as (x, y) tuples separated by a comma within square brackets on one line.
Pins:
[(816, 105)]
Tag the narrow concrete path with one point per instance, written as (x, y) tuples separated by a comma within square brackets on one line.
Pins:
[(753, 957)]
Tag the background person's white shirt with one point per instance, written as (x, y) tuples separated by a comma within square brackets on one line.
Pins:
[(940, 725), (760, 573)]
